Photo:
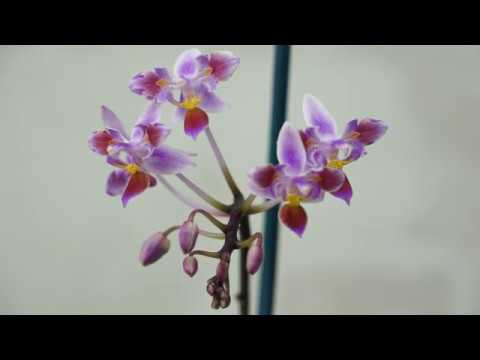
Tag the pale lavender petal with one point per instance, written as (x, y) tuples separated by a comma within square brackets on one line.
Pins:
[(210, 102), (290, 150), (151, 115), (111, 121), (350, 129), (317, 115), (186, 67), (166, 160), (309, 188), (115, 161), (162, 74), (117, 182)]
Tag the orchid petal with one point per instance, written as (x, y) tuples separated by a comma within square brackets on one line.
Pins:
[(331, 180), (223, 64), (309, 188), (166, 160), (153, 85), (196, 120), (151, 115), (138, 183), (157, 134), (316, 114), (345, 192), (210, 101), (290, 150), (115, 161), (268, 182), (186, 67), (294, 217), (179, 115), (111, 121), (117, 182), (99, 141), (371, 130)]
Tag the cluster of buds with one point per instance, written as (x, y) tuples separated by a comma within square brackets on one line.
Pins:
[(311, 163)]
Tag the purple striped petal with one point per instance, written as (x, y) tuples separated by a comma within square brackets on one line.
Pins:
[(137, 184), (223, 64), (290, 150), (331, 180), (268, 182), (371, 130), (100, 140), (345, 192), (166, 160), (117, 182), (294, 217), (196, 120), (317, 115), (187, 67), (153, 85), (111, 121)]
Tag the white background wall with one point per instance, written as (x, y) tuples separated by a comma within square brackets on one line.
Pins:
[(408, 244)]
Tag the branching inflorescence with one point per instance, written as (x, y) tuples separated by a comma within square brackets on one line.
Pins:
[(311, 163)]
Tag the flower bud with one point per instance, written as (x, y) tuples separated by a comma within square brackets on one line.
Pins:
[(187, 236), (154, 248), (211, 287), (190, 265), (224, 299), (215, 303), (255, 255)]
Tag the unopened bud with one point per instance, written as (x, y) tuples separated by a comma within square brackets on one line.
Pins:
[(255, 255), (154, 248), (211, 287), (215, 303), (187, 236), (224, 299), (190, 265)]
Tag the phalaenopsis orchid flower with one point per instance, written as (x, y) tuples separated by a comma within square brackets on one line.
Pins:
[(311, 162)]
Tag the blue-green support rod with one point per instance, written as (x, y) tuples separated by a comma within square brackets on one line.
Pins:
[(279, 112)]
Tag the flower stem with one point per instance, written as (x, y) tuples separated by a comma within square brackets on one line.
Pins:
[(209, 216), (265, 206), (187, 201), (221, 161), (205, 253), (209, 199), (212, 235)]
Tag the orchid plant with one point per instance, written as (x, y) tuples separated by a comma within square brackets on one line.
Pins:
[(311, 163)]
